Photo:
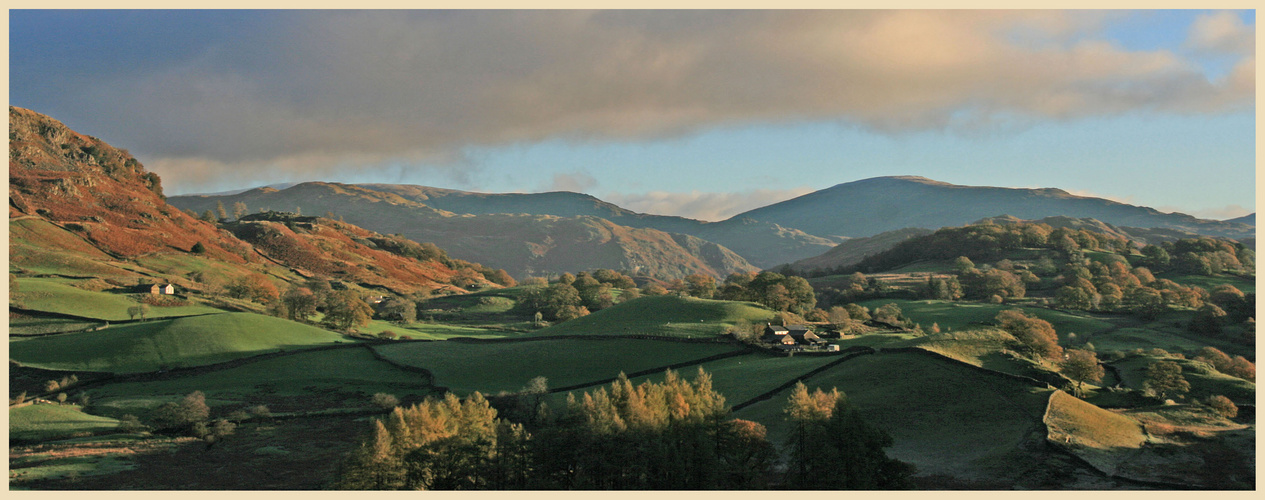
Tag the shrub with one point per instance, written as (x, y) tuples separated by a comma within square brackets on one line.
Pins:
[(1223, 405), (385, 401)]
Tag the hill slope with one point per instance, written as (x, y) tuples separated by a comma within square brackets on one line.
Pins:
[(852, 251), (880, 204), (762, 243), (521, 244)]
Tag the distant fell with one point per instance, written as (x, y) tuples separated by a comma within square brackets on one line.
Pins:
[(854, 250), (522, 244), (872, 206), (1249, 219), (763, 244)]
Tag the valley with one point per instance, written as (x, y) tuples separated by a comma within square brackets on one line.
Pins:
[(374, 336)]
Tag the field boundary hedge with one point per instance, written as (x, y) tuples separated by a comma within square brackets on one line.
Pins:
[(845, 355), (651, 371)]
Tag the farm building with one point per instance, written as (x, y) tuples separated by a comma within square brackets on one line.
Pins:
[(790, 335), (158, 289)]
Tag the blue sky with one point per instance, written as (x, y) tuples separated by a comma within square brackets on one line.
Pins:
[(702, 114)]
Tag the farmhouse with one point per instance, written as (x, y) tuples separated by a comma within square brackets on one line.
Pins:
[(790, 335), (158, 289)]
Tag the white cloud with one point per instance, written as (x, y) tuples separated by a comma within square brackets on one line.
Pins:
[(1222, 32), (701, 205), (1222, 213), (576, 182), (326, 89)]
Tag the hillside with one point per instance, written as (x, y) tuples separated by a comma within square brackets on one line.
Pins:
[(1249, 219), (524, 245), (880, 204), (664, 316), (852, 251), (762, 244), (101, 193)]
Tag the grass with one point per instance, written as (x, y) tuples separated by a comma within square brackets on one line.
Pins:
[(430, 331), (1210, 282), (944, 418), (1103, 438), (665, 315), (153, 345), (40, 247), (960, 315), (42, 422), (508, 366), (1203, 381), (305, 381), (48, 295), (30, 325)]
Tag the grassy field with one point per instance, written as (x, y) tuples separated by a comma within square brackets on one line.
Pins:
[(945, 419), (152, 345), (665, 315), (50, 295), (305, 381), (959, 315), (1203, 382), (1103, 438), (508, 366), (37, 246), (30, 325), (50, 421), (431, 331), (1210, 282)]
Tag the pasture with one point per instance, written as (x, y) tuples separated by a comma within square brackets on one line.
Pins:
[(1204, 381), (944, 418), (664, 315), (304, 381), (43, 422), (48, 295), (173, 343), (492, 367), (960, 315)]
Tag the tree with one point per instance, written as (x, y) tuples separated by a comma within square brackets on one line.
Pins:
[(1082, 366), (138, 310), (399, 310), (962, 264), (832, 447), (198, 248), (254, 287), (1223, 405), (1036, 334), (1164, 378), (300, 303), (208, 216), (219, 210), (183, 414), (701, 285), (240, 210), (346, 311)]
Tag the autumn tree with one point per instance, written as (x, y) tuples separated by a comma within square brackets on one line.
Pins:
[(700, 285), (346, 310), (254, 287), (219, 210), (300, 303), (1082, 366), (240, 210), (399, 310), (832, 447), (1164, 378), (1036, 334)]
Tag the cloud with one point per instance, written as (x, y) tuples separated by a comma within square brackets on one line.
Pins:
[(1222, 213), (1222, 32), (700, 205), (576, 182), (316, 91)]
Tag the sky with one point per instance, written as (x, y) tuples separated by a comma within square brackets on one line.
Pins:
[(702, 114)]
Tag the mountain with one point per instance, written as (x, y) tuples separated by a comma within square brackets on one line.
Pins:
[(1249, 219), (522, 244), (79, 207), (872, 206), (852, 251), (763, 244), (100, 193)]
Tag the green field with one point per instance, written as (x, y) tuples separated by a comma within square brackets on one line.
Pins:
[(508, 366), (153, 345), (50, 421), (1203, 382), (305, 381), (665, 315), (944, 418), (37, 246), (48, 295), (29, 325), (959, 315), (430, 331), (1210, 282)]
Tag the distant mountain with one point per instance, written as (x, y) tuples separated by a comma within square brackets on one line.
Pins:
[(522, 244), (872, 206), (852, 251), (763, 244), (1249, 219)]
